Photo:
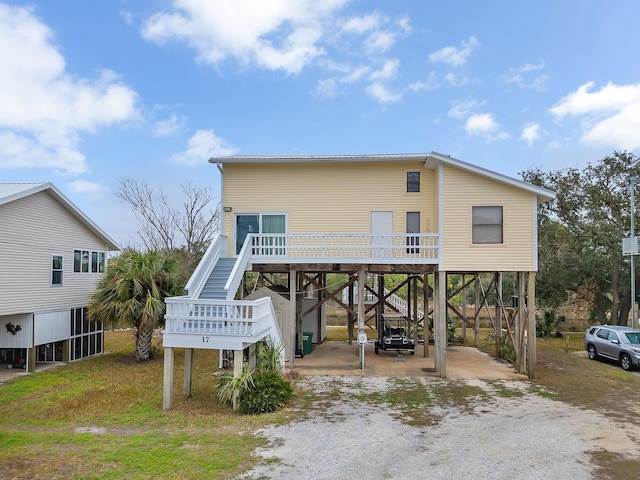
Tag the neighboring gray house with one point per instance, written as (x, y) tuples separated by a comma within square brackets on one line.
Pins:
[(51, 258)]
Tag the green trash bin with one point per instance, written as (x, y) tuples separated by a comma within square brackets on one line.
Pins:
[(307, 340)]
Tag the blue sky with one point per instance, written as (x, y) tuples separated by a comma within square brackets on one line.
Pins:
[(92, 91)]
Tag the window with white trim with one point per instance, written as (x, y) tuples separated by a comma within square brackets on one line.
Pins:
[(86, 261), (56, 269), (487, 224), (262, 223)]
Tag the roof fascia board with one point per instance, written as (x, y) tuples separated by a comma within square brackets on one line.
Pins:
[(544, 195), (410, 157), (35, 188)]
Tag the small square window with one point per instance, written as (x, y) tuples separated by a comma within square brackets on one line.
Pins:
[(413, 181)]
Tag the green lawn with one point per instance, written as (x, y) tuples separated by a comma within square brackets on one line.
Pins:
[(102, 418)]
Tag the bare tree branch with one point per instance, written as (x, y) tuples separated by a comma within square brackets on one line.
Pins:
[(163, 227)]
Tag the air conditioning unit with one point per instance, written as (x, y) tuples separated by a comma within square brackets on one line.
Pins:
[(630, 246)]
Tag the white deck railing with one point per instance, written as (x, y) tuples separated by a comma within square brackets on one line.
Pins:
[(237, 273), (218, 317), (345, 247)]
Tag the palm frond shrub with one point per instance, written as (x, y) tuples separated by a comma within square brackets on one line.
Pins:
[(268, 357), (231, 387), (269, 393), (262, 390)]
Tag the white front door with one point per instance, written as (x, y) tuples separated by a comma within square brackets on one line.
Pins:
[(381, 229)]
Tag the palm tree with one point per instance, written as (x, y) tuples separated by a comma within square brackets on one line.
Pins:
[(133, 291)]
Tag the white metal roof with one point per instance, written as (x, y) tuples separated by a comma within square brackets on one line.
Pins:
[(431, 161), (10, 192)]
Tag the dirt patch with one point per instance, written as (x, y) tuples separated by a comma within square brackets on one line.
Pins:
[(497, 429)]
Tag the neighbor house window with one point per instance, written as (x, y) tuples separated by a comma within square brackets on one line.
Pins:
[(56, 269), (85, 261), (413, 181), (487, 225)]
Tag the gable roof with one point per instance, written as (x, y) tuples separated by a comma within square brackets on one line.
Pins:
[(10, 192), (431, 161)]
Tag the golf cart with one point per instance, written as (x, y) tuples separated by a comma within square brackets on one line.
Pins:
[(17, 363), (392, 335)]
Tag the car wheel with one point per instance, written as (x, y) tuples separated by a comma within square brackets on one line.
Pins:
[(10, 366), (593, 353), (625, 361), (377, 350)]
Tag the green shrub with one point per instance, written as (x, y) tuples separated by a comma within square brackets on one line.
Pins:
[(230, 387), (549, 323), (268, 357), (269, 393)]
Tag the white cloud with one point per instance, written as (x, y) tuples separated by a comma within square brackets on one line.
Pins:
[(530, 133), (455, 56), (355, 74), (463, 108), (431, 83), (168, 126), (610, 116), (454, 80), (287, 35), (84, 186), (363, 24), (327, 88), (276, 35), (521, 76), (44, 108), (483, 124), (203, 145), (388, 71), (382, 93)]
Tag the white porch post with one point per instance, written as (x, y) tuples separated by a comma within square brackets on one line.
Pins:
[(167, 385)]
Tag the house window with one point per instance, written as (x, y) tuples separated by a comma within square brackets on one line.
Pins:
[(413, 181), (261, 223), (85, 261), (56, 269), (487, 225)]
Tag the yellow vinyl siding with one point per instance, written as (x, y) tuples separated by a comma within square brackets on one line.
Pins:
[(463, 190), (329, 197)]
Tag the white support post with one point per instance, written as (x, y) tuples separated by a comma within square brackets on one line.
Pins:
[(440, 323), (361, 280), (167, 386)]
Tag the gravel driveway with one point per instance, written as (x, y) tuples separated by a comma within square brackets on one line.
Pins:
[(357, 429)]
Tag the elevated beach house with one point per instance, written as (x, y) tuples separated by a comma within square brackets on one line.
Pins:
[(51, 257), (424, 216)]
